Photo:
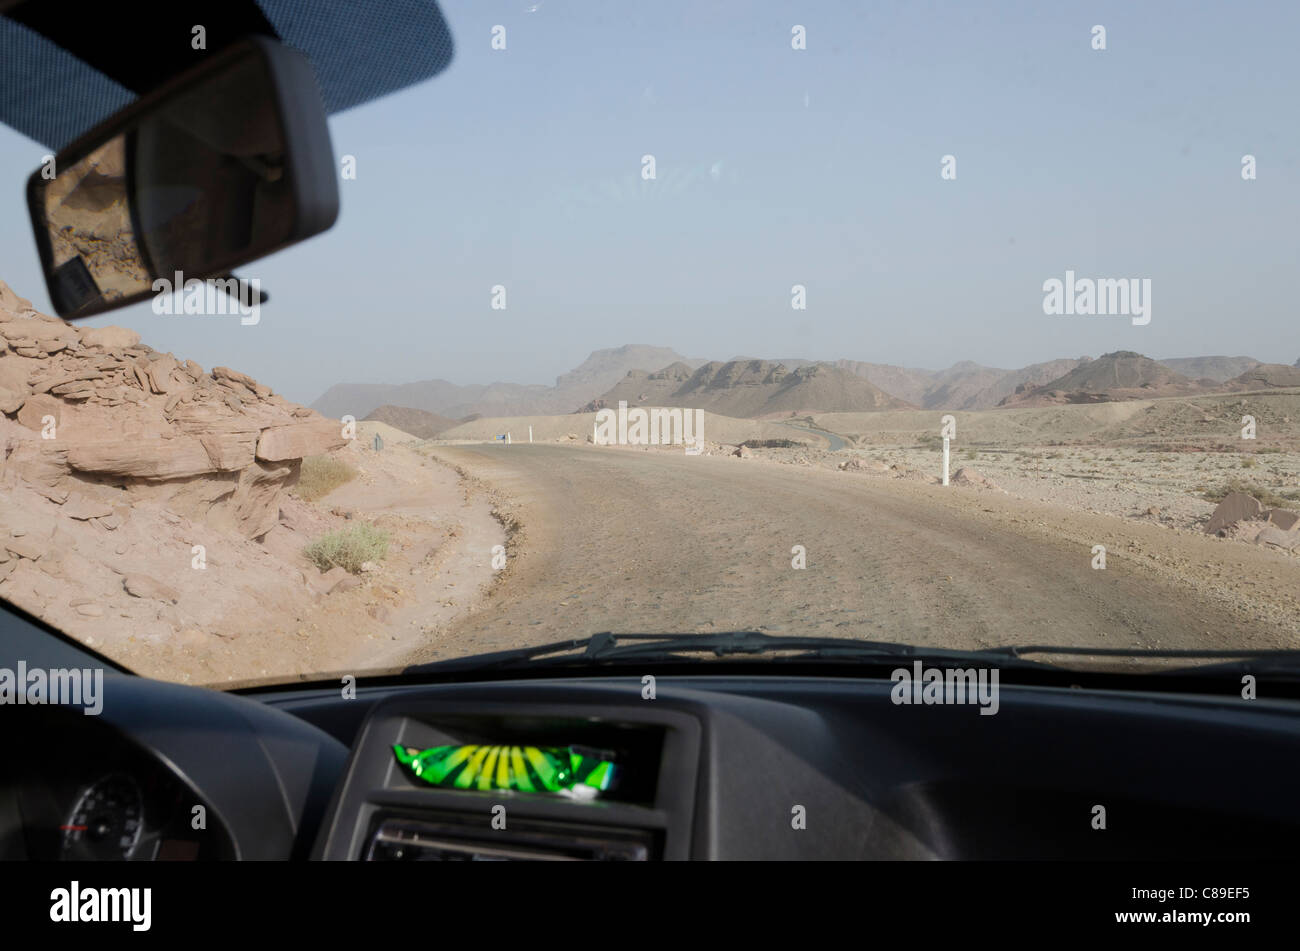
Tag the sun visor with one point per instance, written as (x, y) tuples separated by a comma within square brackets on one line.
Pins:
[(68, 65)]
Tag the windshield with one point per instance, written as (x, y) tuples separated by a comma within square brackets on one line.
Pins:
[(954, 326)]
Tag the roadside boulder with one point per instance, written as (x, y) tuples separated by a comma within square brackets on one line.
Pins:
[(1284, 519), (968, 476), (1235, 507), (1272, 535)]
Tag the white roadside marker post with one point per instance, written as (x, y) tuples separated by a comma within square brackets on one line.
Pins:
[(945, 460), (507, 438), (530, 432)]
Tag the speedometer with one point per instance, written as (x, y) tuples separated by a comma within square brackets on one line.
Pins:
[(106, 821)]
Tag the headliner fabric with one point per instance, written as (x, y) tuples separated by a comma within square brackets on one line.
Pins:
[(359, 51), (362, 51), (48, 94)]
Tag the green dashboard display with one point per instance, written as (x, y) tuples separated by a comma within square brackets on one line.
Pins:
[(566, 770)]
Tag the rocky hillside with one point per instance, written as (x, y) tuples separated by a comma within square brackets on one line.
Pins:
[(970, 386), (1122, 375), (965, 385), (1218, 369), (628, 373), (94, 411), (116, 460), (416, 422), (601, 370), (907, 383), (1265, 376), (639, 388), (749, 389), (432, 396), (604, 368)]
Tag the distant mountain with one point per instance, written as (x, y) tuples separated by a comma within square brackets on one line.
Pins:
[(1218, 369), (963, 386), (434, 396), (604, 368), (629, 373), (749, 389), (1122, 375), (969, 386), (417, 422), (1266, 376), (906, 383), (601, 370), (639, 388)]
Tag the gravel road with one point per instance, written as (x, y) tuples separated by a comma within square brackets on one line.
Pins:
[(628, 540)]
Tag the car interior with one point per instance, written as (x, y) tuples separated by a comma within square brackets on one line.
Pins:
[(611, 746)]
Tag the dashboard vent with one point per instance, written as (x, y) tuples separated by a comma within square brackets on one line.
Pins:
[(397, 839)]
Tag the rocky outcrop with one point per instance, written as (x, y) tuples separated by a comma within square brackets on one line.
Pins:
[(968, 476), (285, 443), (93, 414), (1235, 507), (1242, 517)]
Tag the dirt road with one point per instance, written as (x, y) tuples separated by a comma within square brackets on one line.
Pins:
[(628, 540)]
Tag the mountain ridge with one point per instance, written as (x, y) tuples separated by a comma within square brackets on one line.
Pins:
[(643, 373)]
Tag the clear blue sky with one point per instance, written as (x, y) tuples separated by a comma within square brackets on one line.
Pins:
[(777, 167)]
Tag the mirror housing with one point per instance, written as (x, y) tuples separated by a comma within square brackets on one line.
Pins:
[(225, 164)]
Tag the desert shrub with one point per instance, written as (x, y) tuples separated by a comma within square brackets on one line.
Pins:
[(1249, 462), (348, 548), (1267, 497), (773, 444), (321, 475)]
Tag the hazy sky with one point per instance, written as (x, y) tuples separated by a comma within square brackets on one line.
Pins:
[(777, 167)]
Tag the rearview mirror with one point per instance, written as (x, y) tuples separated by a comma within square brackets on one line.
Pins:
[(227, 163)]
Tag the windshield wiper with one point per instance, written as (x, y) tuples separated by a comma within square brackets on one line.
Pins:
[(612, 649), (1282, 662), (606, 647)]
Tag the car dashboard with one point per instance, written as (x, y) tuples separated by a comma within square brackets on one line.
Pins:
[(709, 766)]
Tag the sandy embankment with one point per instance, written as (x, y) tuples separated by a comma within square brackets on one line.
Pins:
[(438, 569), (279, 620), (152, 510)]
